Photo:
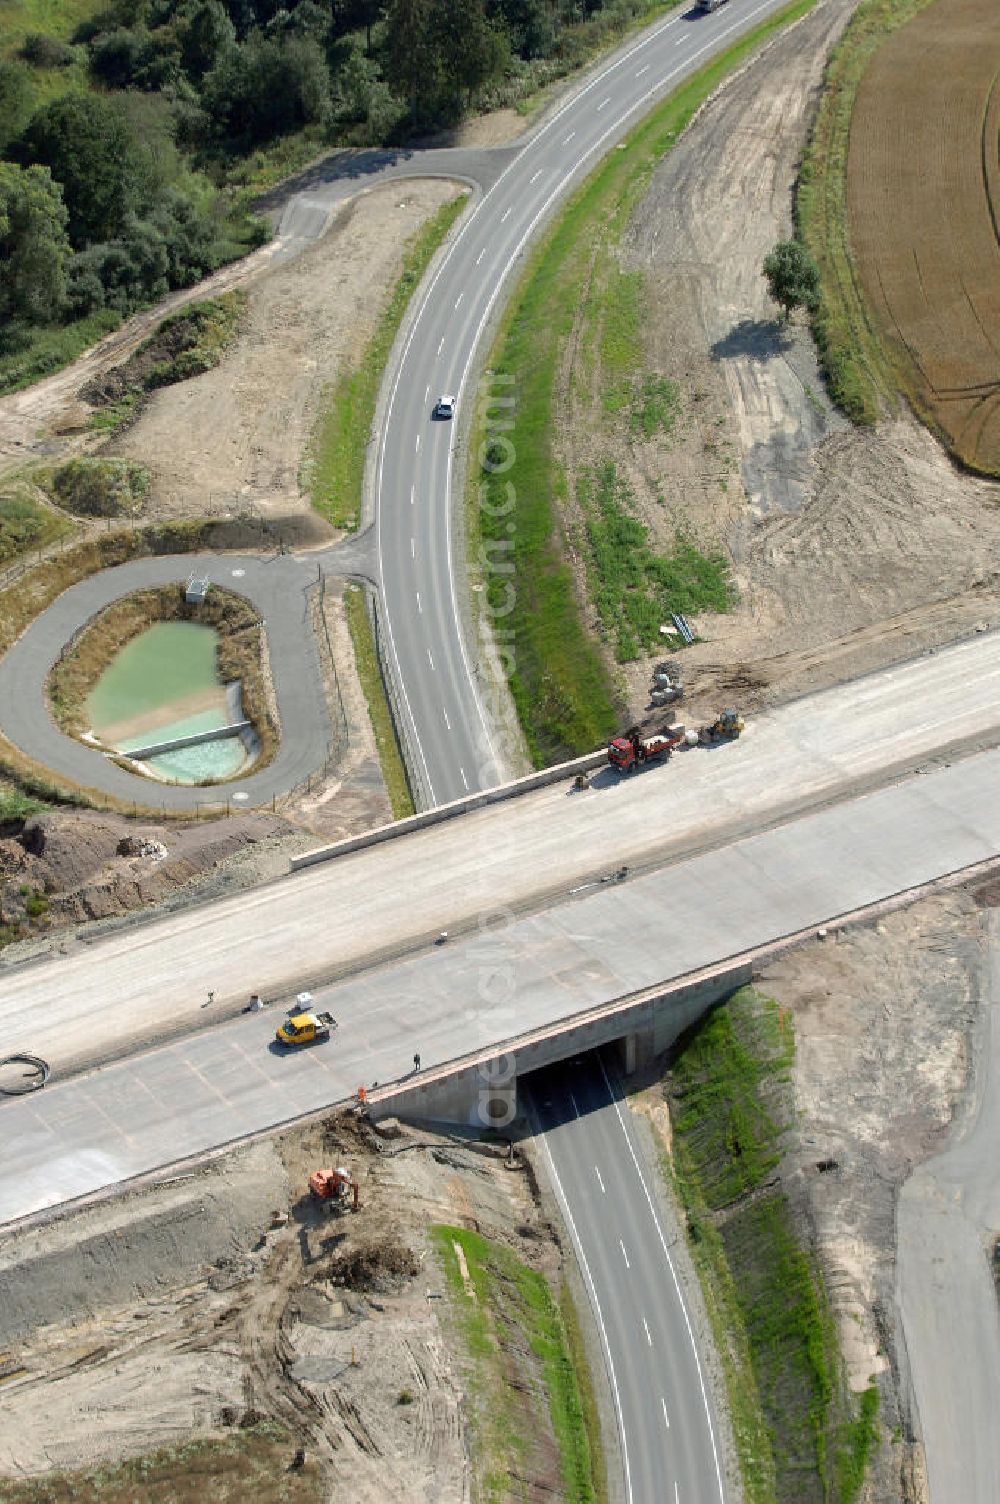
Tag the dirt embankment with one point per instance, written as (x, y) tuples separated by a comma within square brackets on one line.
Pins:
[(230, 441), (229, 1295), (851, 549), (235, 438), (69, 867), (883, 1021)]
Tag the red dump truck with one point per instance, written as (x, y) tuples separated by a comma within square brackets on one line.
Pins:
[(631, 749)]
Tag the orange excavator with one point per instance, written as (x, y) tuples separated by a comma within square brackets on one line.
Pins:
[(333, 1186)]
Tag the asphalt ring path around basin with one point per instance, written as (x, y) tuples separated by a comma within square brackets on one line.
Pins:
[(278, 587)]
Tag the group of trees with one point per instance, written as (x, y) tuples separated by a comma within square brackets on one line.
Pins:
[(96, 212), (107, 191)]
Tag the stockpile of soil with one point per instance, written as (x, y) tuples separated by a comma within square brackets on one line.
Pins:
[(66, 867), (208, 1302)]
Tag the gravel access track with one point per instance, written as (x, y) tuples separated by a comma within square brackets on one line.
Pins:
[(949, 1212)]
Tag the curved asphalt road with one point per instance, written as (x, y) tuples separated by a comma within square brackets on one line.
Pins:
[(608, 1198), (657, 1380), (278, 587), (408, 552), (445, 728)]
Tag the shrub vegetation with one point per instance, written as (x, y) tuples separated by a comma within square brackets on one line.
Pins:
[(133, 133), (802, 1437)]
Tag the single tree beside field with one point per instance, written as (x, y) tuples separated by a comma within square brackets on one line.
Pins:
[(792, 276)]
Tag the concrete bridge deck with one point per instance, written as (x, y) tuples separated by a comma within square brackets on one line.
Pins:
[(87, 1133)]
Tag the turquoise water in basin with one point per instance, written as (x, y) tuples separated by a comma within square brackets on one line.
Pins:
[(147, 694), (166, 663)]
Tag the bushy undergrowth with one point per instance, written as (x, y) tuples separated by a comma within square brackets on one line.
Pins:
[(634, 587), (25, 524), (801, 1435), (98, 487)]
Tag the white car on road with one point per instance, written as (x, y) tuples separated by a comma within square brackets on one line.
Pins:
[(444, 407)]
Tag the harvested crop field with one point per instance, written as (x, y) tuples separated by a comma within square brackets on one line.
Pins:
[(924, 210)]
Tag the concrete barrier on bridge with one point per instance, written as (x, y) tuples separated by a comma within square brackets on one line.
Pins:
[(482, 1093), (442, 812)]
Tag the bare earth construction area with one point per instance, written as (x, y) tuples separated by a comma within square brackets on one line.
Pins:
[(924, 201)]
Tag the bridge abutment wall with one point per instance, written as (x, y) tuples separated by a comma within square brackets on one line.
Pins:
[(482, 1093)]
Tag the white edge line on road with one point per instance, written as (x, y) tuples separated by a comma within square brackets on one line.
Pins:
[(600, 1182), (397, 378), (666, 1417), (621, 1245), (570, 103), (592, 1291), (673, 1276), (511, 259)]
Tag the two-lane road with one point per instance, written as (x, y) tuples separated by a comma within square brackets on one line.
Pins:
[(445, 728), (666, 1422)]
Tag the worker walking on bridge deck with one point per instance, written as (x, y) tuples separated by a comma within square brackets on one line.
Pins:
[(416, 1062)]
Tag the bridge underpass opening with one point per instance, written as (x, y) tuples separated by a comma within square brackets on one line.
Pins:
[(483, 1093)]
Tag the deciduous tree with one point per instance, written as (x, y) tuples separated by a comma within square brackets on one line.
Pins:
[(792, 276), (33, 245), (86, 142)]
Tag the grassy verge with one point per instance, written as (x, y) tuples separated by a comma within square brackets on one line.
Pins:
[(26, 525), (588, 1400), (249, 1464), (799, 1433), (514, 1336), (559, 681), (240, 655), (633, 587), (366, 661), (856, 367), (50, 347), (15, 805), (334, 470)]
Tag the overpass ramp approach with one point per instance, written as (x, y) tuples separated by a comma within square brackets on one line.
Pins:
[(148, 979), (88, 1133)]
